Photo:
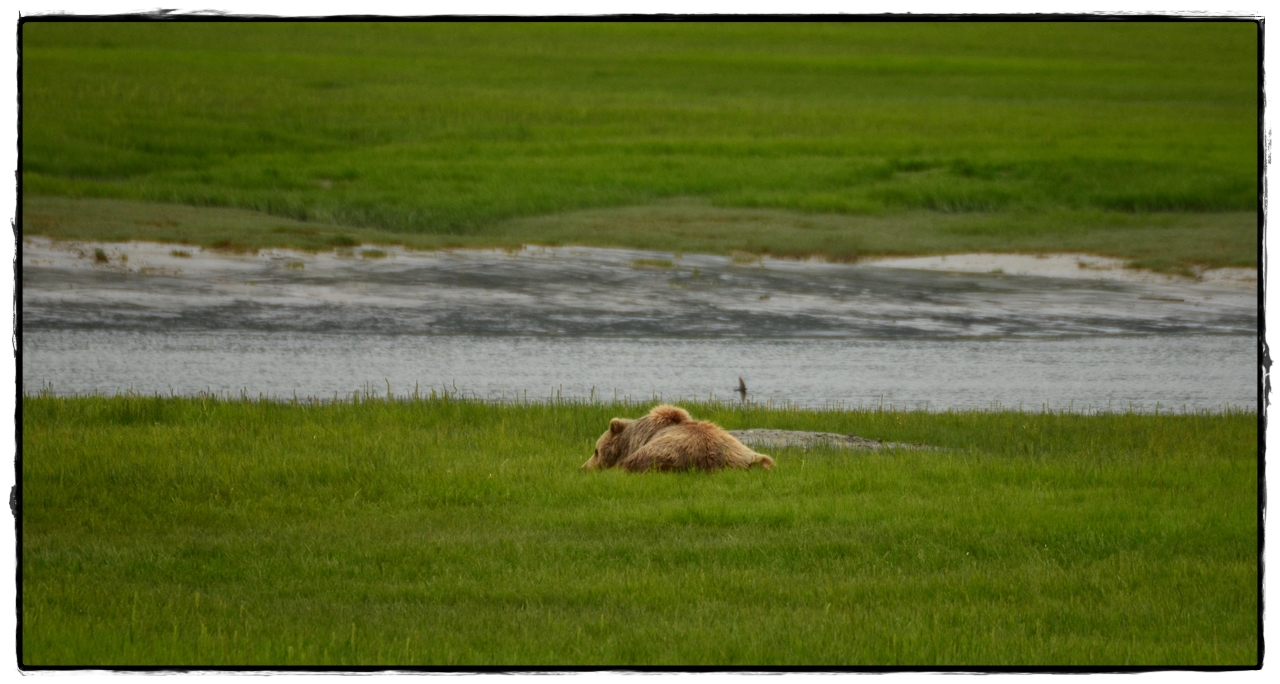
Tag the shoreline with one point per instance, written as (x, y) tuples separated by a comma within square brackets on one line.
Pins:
[(145, 257)]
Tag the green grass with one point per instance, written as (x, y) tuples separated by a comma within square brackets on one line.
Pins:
[(194, 531), (444, 134)]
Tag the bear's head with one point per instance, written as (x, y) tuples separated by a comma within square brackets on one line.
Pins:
[(615, 445), (608, 447)]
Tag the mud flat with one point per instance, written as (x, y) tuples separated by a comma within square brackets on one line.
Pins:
[(1076, 266)]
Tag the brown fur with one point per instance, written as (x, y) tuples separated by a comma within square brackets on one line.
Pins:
[(667, 438)]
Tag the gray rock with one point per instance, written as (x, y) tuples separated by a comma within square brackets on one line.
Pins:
[(799, 438)]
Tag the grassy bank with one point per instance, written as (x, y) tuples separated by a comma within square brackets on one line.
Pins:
[(198, 531), (936, 137)]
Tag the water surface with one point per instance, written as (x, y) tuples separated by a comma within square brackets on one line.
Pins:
[(606, 323)]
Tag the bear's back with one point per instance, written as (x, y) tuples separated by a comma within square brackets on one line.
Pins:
[(645, 429), (688, 445)]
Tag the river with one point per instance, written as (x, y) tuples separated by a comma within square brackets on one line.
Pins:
[(604, 324)]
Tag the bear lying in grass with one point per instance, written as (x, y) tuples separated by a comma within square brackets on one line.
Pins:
[(669, 439)]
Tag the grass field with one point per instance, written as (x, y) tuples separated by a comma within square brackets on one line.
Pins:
[(442, 532), (836, 139)]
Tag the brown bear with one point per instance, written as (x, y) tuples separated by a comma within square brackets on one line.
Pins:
[(669, 439)]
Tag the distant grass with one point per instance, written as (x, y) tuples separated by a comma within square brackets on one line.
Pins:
[(442, 132), (1159, 241), (200, 531)]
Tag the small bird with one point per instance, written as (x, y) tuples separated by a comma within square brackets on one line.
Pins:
[(742, 387)]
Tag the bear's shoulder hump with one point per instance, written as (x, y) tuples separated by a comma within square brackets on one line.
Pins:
[(671, 414)]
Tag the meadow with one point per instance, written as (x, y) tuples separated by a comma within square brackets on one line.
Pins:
[(442, 532), (1137, 140)]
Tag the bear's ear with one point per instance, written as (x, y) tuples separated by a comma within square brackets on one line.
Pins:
[(617, 425)]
